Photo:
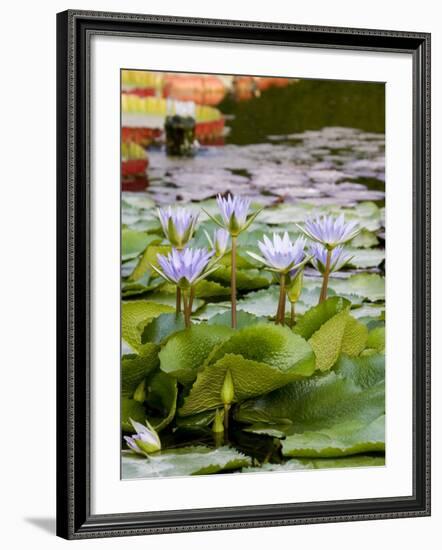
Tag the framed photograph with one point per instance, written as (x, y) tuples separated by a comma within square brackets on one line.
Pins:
[(243, 274)]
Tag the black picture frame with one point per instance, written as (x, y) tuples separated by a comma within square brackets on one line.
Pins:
[(74, 31)]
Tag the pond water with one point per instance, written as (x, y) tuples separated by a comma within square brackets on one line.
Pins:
[(316, 141), (329, 166)]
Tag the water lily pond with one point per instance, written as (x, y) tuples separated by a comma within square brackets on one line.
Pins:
[(260, 353)]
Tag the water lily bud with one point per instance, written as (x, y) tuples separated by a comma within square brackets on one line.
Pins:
[(140, 392), (146, 440), (227, 391), (221, 240), (234, 225), (294, 288), (218, 423)]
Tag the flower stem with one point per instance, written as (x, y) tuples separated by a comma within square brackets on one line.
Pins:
[(191, 298), (292, 314), (325, 277), (186, 310), (233, 283), (280, 314), (178, 300), (226, 418)]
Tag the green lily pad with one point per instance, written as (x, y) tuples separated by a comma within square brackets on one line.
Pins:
[(145, 284), (243, 319), (293, 464), (135, 315), (187, 461), (368, 311), (133, 243), (186, 351), (314, 318), (161, 396), (262, 303), (162, 327), (149, 258), (203, 289), (211, 289), (169, 299), (343, 439), (135, 368), (246, 279), (313, 285), (131, 409), (260, 358), (364, 239), (364, 258), (369, 286), (139, 201), (196, 421), (340, 334), (211, 309), (349, 397), (376, 339)]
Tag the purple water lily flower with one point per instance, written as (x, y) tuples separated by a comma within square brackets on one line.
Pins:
[(234, 219), (178, 225), (330, 231), (281, 255), (145, 441), (220, 241), (233, 206), (184, 267), (234, 211), (339, 257)]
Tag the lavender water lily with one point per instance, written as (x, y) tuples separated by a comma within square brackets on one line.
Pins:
[(234, 219), (178, 226), (145, 441), (329, 232), (185, 268), (281, 256)]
